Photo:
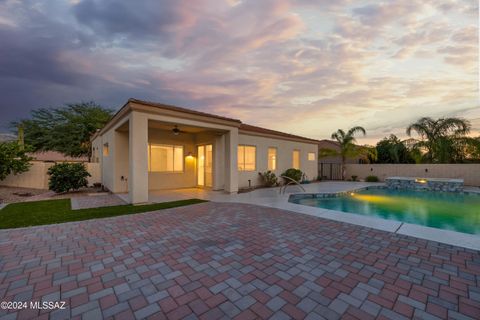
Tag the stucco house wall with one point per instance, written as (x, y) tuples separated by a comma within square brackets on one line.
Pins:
[(284, 157), (164, 180), (137, 123)]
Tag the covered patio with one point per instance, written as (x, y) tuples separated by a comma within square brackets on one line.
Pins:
[(145, 151)]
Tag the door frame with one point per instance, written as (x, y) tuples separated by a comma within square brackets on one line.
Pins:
[(197, 167)]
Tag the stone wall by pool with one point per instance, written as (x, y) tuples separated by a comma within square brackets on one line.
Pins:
[(431, 184)]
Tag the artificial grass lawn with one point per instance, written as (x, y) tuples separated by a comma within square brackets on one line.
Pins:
[(25, 214)]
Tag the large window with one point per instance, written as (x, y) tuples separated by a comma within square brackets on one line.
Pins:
[(272, 159), (246, 158), (296, 159), (165, 158)]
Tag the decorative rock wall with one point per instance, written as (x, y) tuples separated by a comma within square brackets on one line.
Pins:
[(430, 184)]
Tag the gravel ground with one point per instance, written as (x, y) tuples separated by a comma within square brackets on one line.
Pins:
[(13, 194)]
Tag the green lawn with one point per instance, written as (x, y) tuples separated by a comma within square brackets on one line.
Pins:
[(25, 214)]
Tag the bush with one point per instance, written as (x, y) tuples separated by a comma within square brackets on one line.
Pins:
[(13, 159), (371, 179), (269, 178), (354, 178), (67, 176), (294, 174)]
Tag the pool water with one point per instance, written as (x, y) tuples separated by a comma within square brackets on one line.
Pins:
[(451, 211)]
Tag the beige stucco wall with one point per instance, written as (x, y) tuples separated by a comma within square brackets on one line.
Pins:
[(163, 180), (37, 178), (470, 173), (284, 157)]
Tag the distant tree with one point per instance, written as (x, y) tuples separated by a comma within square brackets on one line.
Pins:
[(348, 149), (443, 140), (392, 150), (66, 129), (13, 159)]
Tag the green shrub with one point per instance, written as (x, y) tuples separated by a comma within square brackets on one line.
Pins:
[(67, 176), (269, 178), (13, 159), (354, 178), (294, 174), (371, 179)]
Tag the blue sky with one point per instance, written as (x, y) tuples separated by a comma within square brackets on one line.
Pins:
[(300, 66)]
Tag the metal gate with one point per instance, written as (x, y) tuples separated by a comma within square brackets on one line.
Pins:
[(330, 171)]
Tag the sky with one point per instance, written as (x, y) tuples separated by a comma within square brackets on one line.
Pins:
[(300, 66)]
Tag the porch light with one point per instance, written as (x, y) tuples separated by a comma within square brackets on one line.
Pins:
[(189, 155)]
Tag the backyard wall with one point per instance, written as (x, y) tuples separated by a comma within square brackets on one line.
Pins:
[(470, 173), (37, 177)]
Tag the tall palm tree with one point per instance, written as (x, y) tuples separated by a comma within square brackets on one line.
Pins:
[(348, 149), (440, 138)]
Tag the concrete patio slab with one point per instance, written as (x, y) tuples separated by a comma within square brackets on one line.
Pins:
[(229, 260), (270, 197), (96, 201)]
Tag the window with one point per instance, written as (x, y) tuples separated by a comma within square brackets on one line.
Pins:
[(106, 150), (246, 158), (311, 156), (165, 158), (296, 159), (272, 159)]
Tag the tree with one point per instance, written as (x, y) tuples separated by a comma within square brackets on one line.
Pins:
[(348, 149), (392, 150), (443, 140), (66, 129), (13, 159)]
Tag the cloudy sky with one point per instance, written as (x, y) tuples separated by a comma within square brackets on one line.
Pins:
[(301, 66)]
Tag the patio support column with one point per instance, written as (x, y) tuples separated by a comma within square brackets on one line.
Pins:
[(231, 170), (138, 158)]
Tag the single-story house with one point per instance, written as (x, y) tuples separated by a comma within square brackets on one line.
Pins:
[(55, 156), (151, 146)]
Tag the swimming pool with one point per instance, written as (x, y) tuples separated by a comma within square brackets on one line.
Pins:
[(450, 211)]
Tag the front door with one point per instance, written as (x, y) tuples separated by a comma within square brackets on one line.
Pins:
[(205, 165)]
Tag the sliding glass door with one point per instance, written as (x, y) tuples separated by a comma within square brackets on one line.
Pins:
[(205, 165)]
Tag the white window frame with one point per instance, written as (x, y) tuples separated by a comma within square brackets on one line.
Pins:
[(299, 159), (238, 158), (275, 159), (173, 146)]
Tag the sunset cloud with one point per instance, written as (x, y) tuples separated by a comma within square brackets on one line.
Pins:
[(306, 67)]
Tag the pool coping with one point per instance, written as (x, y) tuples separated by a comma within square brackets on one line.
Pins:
[(460, 239)]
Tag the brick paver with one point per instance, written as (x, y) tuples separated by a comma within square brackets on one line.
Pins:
[(240, 261)]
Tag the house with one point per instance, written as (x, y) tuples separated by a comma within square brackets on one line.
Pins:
[(55, 156), (150, 146)]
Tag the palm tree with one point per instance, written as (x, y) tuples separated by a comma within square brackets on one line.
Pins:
[(441, 139), (348, 149)]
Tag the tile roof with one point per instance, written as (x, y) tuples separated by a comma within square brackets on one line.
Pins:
[(180, 109), (55, 156), (247, 127), (242, 126)]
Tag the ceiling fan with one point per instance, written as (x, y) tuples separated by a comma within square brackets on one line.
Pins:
[(177, 131)]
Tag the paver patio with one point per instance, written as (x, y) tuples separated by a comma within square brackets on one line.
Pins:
[(224, 260)]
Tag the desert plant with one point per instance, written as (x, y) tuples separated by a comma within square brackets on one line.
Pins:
[(354, 178), (294, 174), (67, 176), (64, 129), (371, 179), (269, 178)]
